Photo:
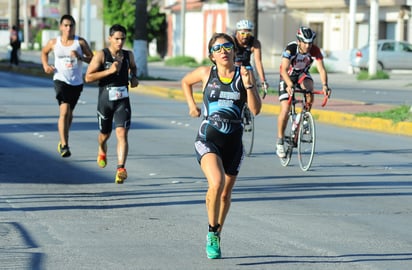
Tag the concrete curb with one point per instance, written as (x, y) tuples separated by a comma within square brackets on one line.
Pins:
[(322, 116)]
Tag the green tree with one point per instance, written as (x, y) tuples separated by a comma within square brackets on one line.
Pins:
[(156, 23), (122, 12)]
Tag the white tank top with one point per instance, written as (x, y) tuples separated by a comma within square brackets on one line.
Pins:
[(68, 69)]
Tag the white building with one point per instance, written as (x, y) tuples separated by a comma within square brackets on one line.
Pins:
[(87, 13), (278, 21)]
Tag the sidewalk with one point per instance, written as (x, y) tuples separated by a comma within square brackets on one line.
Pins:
[(336, 112)]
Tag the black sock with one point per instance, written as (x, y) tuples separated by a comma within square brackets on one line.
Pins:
[(214, 228), (120, 166)]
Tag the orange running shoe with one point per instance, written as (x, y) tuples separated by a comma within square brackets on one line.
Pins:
[(101, 160), (121, 175)]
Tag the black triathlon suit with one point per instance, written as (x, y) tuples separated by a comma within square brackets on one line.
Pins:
[(243, 53), (221, 130), (113, 102)]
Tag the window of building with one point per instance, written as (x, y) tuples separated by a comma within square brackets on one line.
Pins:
[(318, 28)]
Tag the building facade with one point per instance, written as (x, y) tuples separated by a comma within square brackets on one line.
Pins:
[(37, 15), (278, 22)]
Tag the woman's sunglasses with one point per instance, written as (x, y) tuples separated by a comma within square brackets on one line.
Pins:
[(228, 46), (245, 34)]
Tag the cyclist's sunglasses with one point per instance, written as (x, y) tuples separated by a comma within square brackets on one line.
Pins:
[(243, 33), (228, 46)]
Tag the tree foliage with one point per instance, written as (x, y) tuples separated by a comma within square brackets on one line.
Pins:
[(156, 22), (123, 12)]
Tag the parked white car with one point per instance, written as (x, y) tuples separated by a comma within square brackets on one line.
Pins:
[(391, 54)]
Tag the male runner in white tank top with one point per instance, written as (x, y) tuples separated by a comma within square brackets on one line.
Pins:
[(70, 51)]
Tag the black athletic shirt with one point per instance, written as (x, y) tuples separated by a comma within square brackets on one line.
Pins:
[(120, 79), (223, 102), (243, 53)]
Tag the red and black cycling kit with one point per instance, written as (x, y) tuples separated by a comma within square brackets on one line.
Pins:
[(300, 64)]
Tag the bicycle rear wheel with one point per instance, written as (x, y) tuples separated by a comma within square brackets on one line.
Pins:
[(288, 143), (248, 131), (306, 141)]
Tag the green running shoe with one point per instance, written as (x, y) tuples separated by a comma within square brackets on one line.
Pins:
[(213, 246)]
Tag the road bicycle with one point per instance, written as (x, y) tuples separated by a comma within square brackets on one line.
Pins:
[(248, 136), (300, 130), (249, 124)]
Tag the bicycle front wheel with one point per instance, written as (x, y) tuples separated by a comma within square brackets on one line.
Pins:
[(248, 131), (306, 141)]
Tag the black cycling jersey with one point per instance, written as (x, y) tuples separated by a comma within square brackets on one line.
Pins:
[(300, 63), (243, 53)]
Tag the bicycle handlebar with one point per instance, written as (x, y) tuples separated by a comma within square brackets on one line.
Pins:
[(325, 97), (317, 92)]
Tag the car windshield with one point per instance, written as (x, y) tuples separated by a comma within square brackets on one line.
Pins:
[(405, 47)]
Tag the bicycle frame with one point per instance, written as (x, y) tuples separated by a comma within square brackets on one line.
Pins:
[(296, 134), (293, 101), (248, 136)]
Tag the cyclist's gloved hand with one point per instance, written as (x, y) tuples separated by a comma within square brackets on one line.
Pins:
[(290, 90), (326, 90), (265, 87)]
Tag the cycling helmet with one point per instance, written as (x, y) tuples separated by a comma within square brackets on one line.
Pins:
[(305, 34), (244, 24)]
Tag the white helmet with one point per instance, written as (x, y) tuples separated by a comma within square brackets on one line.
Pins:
[(244, 24)]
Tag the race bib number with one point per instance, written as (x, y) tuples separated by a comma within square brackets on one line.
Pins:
[(117, 92), (69, 62)]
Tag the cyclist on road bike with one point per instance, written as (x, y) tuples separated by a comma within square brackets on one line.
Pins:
[(297, 59), (246, 45)]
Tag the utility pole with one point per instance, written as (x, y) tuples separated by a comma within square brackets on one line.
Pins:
[(64, 7), (373, 37), (251, 14), (87, 21), (352, 24), (79, 4), (140, 37), (182, 27), (352, 18), (14, 14), (26, 25)]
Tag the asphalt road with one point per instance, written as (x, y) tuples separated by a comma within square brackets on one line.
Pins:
[(352, 210)]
